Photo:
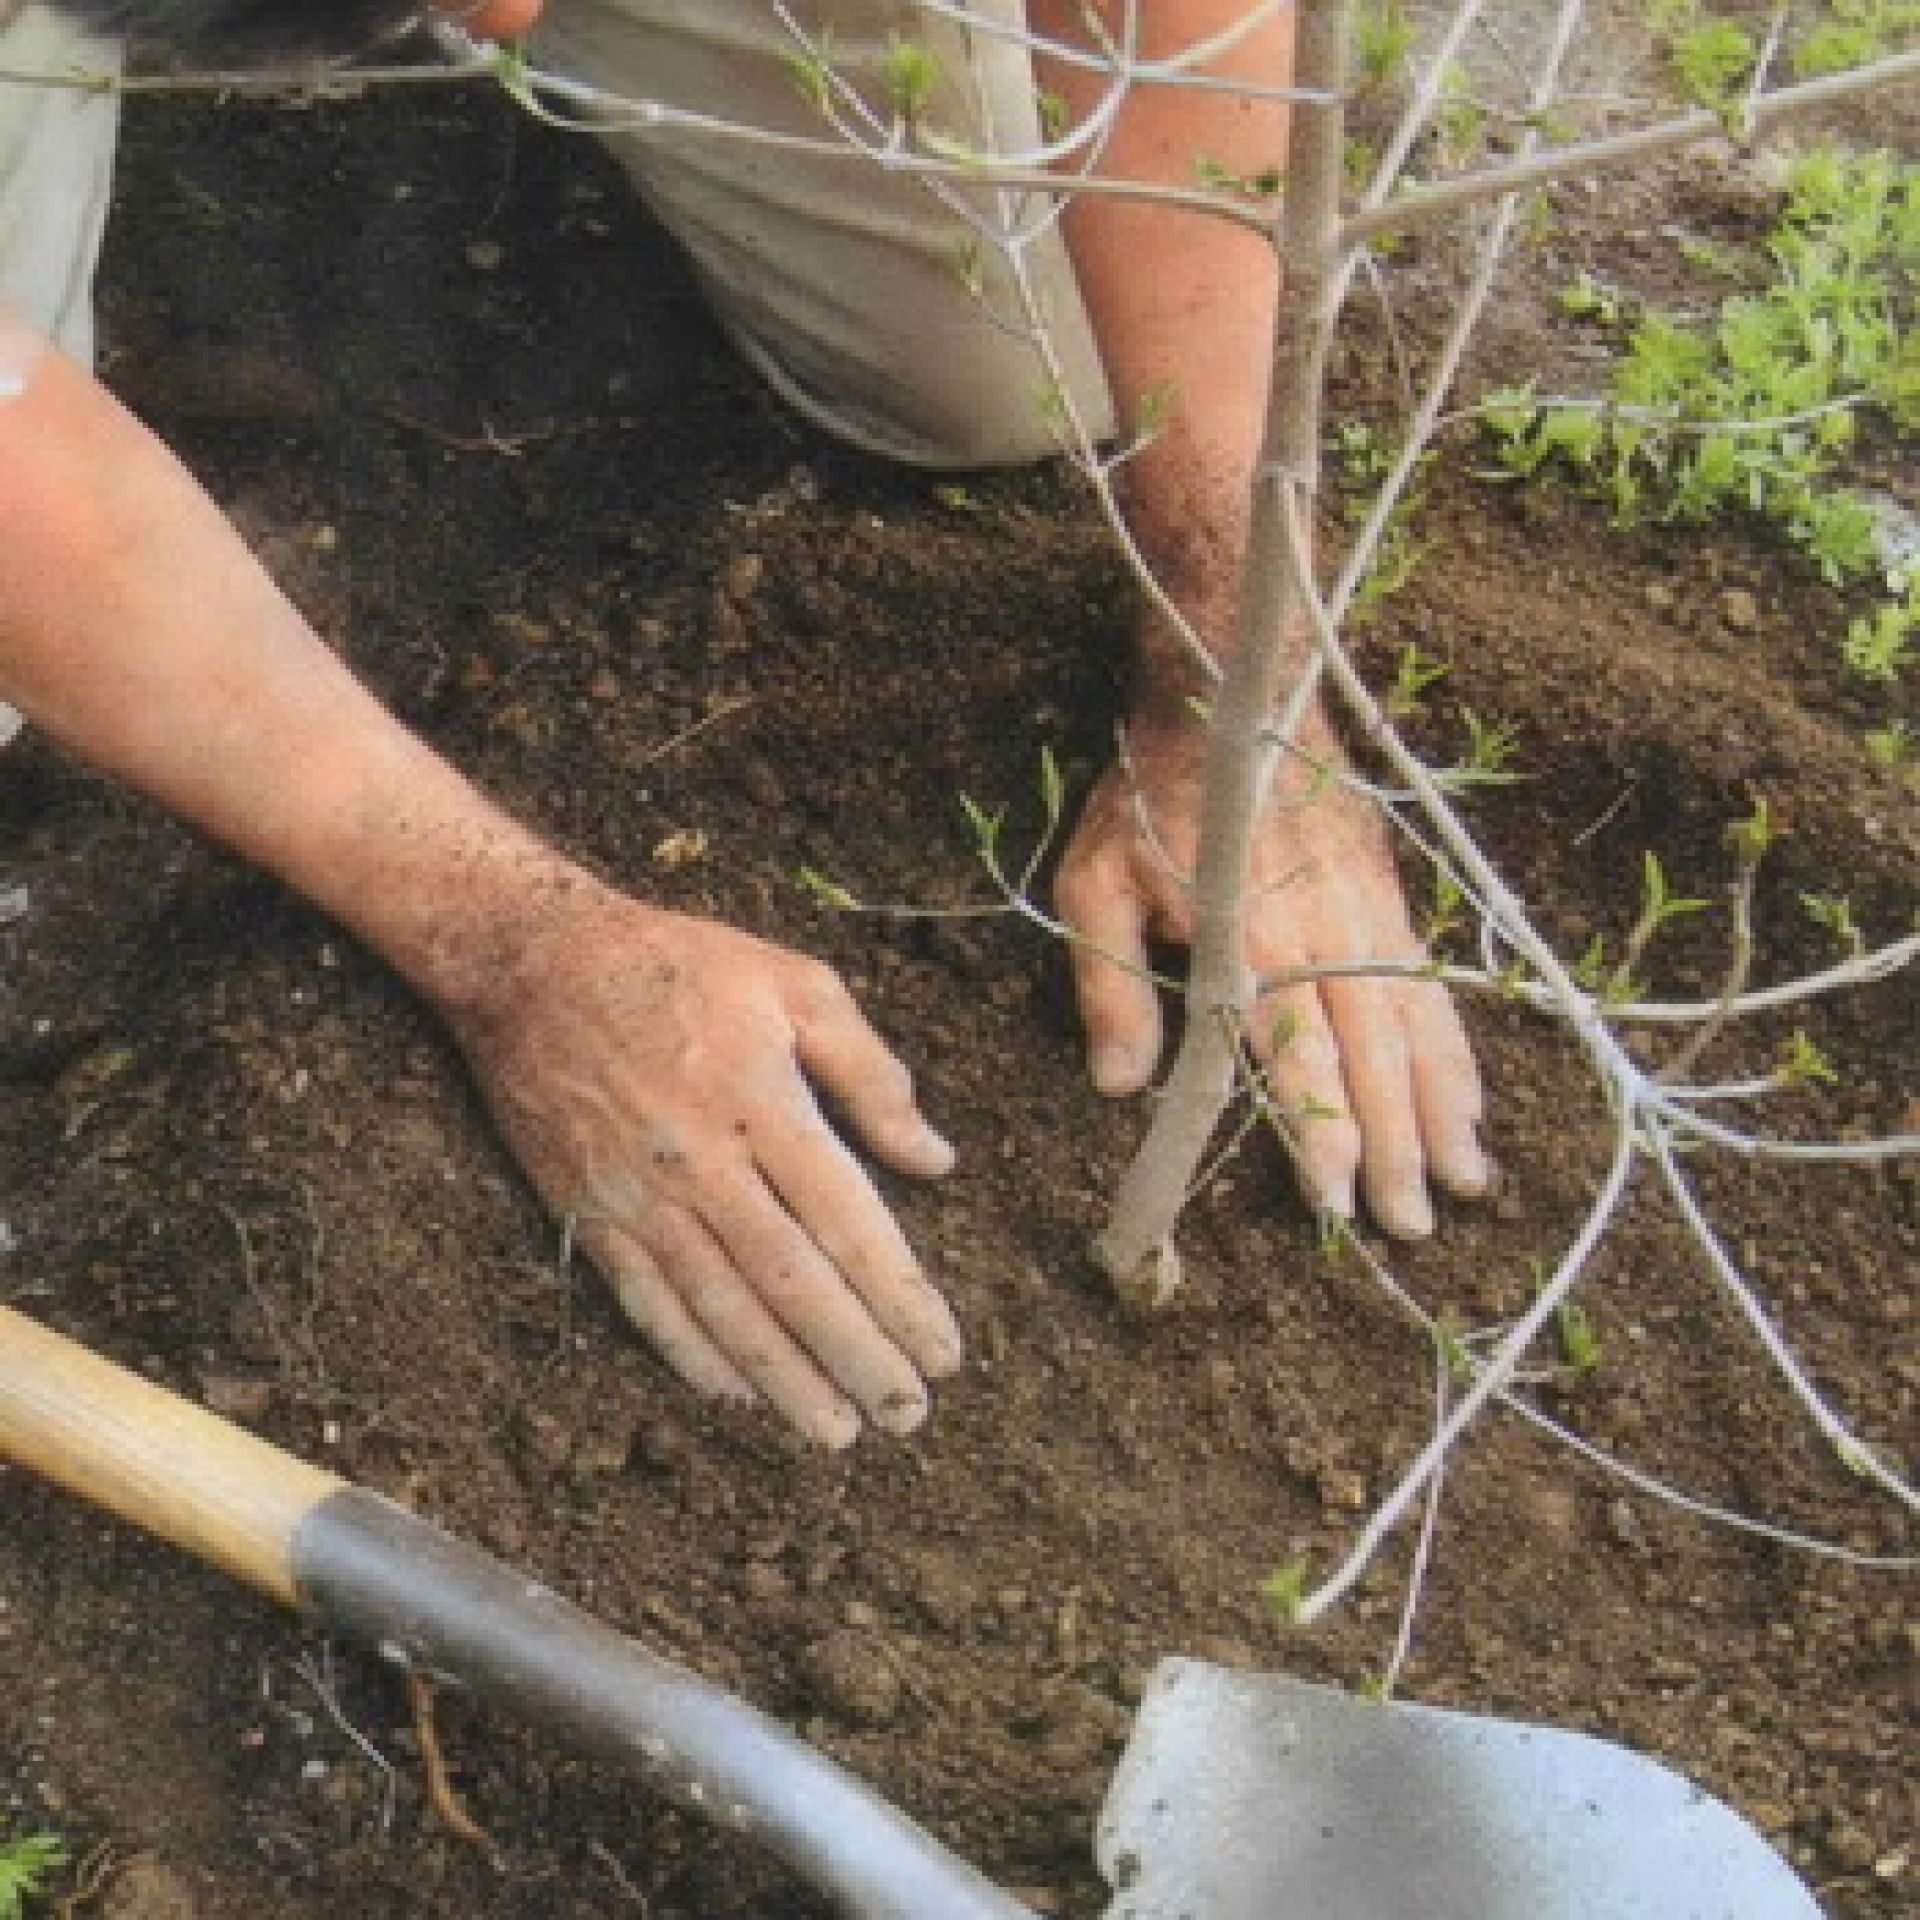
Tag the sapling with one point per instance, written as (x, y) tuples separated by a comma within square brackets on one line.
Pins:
[(1658, 1119)]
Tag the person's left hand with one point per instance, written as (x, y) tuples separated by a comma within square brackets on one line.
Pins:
[(1372, 1073)]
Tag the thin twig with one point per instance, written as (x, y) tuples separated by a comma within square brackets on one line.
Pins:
[(1417, 206)]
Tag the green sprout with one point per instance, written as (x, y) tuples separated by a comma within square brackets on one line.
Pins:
[(1750, 840), (1491, 745), (1450, 1345), (1382, 39), (1833, 913), (1580, 1345), (1881, 645), (1262, 185), (813, 77), (1364, 455), (1447, 915), (1751, 408), (1891, 747), (1285, 1589), (825, 892), (912, 73), (1659, 905), (28, 1864), (1153, 410), (1802, 1063), (1585, 298), (1414, 672)]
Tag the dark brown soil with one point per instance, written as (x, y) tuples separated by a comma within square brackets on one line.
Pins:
[(534, 498)]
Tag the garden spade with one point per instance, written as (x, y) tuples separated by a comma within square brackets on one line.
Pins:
[(1240, 1796)]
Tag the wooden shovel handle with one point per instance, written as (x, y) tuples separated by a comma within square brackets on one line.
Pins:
[(164, 1464), (392, 1581)]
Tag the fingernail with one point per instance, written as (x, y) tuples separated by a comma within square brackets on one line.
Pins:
[(1469, 1174), (900, 1412), (919, 1150), (1409, 1218), (835, 1430), (1336, 1201), (1115, 1068)]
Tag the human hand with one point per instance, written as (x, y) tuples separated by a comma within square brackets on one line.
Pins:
[(1373, 1073), (651, 1073)]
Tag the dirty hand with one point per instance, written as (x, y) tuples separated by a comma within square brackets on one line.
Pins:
[(651, 1072), (1374, 1073)]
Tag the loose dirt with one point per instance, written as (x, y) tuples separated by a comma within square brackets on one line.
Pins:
[(461, 395)]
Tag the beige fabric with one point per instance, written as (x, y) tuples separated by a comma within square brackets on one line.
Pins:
[(56, 173), (847, 284)]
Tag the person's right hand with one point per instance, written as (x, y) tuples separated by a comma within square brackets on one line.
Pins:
[(651, 1072)]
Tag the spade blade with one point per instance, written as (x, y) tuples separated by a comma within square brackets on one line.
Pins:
[(1249, 1796)]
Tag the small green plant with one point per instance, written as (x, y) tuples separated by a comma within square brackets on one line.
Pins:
[(1491, 746), (1382, 39), (1460, 120), (1615, 982), (1256, 186), (28, 1864), (1585, 298), (1363, 453), (811, 72), (1855, 32), (1713, 61), (1580, 1346), (1413, 674), (1450, 1344), (1802, 1063), (912, 73), (1881, 644), (1892, 747), (1754, 408), (1833, 912), (1285, 1589), (1448, 915)]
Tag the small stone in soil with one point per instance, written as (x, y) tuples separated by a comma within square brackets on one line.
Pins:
[(847, 1675), (147, 1889)]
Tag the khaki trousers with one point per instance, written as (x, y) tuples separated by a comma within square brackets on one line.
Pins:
[(903, 315)]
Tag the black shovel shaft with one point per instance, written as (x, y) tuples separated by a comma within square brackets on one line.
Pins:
[(428, 1601), (384, 1577)]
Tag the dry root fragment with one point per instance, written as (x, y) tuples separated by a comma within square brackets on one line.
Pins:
[(442, 1795)]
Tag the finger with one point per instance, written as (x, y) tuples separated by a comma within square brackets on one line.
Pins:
[(1291, 1038), (656, 1311), (1365, 1017), (1446, 1090), (828, 1192), (801, 1288), (841, 1051), (740, 1325), (1119, 1008)]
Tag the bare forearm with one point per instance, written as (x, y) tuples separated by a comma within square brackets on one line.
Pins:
[(136, 628), (1182, 304)]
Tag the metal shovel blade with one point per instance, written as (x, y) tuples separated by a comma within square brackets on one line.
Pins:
[(1250, 1796)]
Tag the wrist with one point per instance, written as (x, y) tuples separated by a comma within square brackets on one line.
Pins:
[(466, 911)]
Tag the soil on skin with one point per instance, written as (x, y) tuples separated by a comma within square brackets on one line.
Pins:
[(461, 396)]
